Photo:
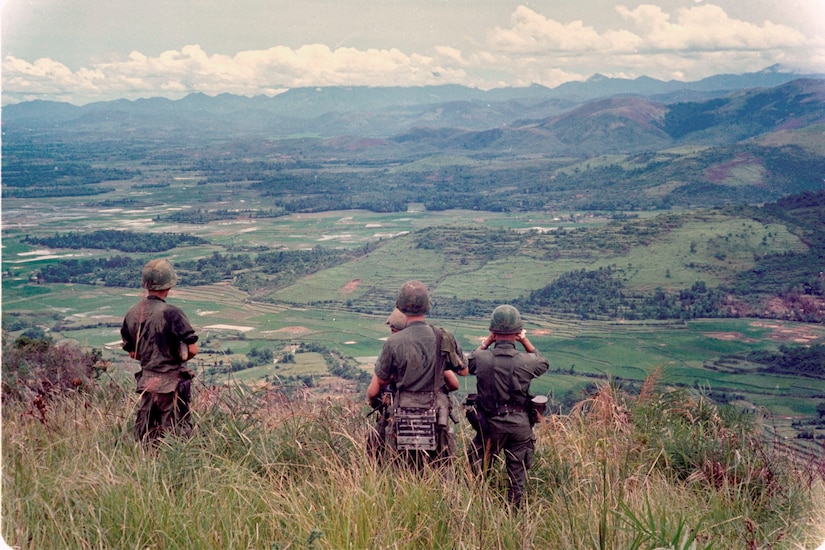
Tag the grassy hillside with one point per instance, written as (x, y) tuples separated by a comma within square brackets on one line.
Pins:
[(661, 469)]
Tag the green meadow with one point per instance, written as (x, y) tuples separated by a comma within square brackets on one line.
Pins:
[(316, 308)]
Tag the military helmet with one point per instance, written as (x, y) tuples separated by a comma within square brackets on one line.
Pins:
[(506, 320), (413, 298), (397, 320), (159, 275)]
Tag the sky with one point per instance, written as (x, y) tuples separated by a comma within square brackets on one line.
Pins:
[(80, 51)]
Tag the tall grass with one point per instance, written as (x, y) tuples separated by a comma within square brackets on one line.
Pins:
[(660, 470)]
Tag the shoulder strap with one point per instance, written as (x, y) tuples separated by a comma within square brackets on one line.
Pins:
[(439, 360)]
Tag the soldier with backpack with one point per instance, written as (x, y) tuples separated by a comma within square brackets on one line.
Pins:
[(382, 405), (416, 359)]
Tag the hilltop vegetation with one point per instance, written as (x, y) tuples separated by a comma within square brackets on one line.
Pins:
[(656, 468)]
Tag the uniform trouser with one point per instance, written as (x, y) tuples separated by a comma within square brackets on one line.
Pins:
[(159, 413), (513, 435)]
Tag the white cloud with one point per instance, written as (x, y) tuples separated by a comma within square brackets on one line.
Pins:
[(247, 73), (706, 27), (531, 32), (692, 43), (688, 43)]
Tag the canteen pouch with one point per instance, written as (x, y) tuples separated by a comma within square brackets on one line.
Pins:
[(536, 407)]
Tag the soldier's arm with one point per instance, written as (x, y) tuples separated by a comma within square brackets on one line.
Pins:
[(126, 340), (375, 386), (451, 380), (456, 357), (528, 346)]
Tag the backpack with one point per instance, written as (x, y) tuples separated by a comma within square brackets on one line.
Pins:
[(416, 414)]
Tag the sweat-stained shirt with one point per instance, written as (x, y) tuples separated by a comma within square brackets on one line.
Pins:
[(408, 357), (154, 330)]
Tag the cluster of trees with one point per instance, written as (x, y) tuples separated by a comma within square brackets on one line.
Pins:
[(119, 271), (338, 364), (601, 294), (126, 241), (24, 178), (278, 268), (587, 294), (203, 216), (263, 356), (45, 192), (58, 174), (793, 360)]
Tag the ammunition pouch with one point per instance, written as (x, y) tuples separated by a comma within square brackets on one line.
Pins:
[(415, 430), (416, 420)]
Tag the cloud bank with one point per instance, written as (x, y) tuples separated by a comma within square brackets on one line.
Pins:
[(689, 44)]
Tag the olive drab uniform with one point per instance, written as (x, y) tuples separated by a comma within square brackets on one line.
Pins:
[(158, 334), (415, 358), (504, 421), (503, 383)]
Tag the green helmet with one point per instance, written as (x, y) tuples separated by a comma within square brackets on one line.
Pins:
[(413, 298), (506, 320), (159, 275)]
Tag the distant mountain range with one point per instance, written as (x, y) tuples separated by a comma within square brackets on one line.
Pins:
[(381, 112), (649, 144)]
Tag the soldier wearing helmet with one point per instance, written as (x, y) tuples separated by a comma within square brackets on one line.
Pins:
[(503, 402), (160, 336), (376, 440), (419, 359)]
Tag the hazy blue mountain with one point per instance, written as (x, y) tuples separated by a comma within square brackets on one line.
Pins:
[(639, 115), (631, 124), (447, 105)]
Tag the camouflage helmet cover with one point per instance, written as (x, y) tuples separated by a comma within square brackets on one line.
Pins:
[(506, 320), (397, 320), (159, 275), (413, 298)]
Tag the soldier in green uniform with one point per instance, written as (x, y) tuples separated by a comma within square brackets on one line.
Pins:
[(503, 376), (382, 404), (159, 335), (416, 359)]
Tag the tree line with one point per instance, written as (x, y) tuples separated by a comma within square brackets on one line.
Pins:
[(125, 241)]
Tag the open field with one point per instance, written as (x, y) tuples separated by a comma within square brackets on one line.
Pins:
[(315, 307)]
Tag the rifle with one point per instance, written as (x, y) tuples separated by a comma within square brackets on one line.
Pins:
[(383, 403)]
